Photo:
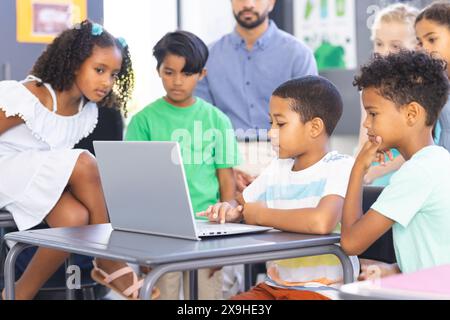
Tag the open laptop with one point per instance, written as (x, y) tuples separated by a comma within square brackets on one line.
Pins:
[(146, 191)]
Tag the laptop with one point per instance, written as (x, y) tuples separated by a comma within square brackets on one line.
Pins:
[(146, 191)]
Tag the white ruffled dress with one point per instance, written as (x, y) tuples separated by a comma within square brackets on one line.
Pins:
[(36, 157)]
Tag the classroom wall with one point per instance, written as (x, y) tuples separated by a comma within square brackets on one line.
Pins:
[(208, 19), (142, 24)]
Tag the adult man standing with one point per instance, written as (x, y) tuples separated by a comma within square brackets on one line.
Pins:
[(244, 67)]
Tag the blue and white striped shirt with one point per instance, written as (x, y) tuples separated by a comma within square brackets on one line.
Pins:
[(281, 188)]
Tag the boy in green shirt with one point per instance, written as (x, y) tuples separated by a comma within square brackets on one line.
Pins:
[(205, 134)]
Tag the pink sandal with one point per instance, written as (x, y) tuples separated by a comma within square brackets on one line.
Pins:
[(131, 293)]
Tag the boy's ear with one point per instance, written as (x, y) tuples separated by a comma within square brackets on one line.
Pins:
[(159, 72), (317, 127), (203, 74), (413, 112)]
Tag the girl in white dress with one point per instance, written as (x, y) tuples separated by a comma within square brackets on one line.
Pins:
[(42, 179)]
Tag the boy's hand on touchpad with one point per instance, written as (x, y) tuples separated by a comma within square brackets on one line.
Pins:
[(222, 212)]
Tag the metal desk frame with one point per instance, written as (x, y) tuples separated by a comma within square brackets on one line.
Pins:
[(269, 249)]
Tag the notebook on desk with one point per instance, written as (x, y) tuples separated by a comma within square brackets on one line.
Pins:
[(146, 191), (433, 283)]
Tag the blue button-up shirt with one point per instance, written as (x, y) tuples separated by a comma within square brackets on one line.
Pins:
[(240, 82)]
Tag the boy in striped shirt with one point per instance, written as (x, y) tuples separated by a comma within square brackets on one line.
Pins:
[(302, 190)]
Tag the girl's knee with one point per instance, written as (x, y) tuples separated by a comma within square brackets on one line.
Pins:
[(68, 212), (76, 217), (86, 166), (86, 161)]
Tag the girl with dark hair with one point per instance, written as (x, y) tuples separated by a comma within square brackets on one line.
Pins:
[(433, 33), (41, 118)]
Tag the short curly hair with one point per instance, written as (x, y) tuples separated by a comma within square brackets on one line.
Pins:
[(65, 55), (408, 76)]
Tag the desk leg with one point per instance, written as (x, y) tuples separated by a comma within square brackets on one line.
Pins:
[(248, 277), (346, 264), (156, 273), (248, 258), (193, 285), (10, 272), (150, 281)]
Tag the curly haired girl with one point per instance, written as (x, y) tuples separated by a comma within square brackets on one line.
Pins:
[(41, 118)]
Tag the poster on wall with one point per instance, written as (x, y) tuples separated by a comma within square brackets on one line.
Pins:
[(40, 21), (328, 27)]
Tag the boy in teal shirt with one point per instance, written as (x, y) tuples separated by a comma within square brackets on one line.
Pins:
[(205, 134), (403, 95)]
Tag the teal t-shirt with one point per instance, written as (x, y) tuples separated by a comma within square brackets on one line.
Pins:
[(417, 199), (207, 142), (384, 180)]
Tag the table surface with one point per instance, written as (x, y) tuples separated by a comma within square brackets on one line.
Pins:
[(103, 241)]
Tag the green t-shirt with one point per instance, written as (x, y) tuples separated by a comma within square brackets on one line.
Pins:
[(207, 142), (417, 199)]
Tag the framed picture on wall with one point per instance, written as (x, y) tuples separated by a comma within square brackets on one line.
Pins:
[(328, 27), (40, 21)]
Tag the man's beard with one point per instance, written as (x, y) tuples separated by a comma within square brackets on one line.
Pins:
[(251, 24)]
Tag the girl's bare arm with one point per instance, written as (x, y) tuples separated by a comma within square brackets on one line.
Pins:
[(7, 123)]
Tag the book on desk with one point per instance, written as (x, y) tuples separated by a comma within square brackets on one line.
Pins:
[(433, 283)]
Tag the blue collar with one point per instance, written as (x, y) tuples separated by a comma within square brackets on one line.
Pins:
[(263, 41)]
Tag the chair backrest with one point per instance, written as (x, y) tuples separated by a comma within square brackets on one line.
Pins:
[(6, 219), (383, 248), (370, 195), (6, 223)]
